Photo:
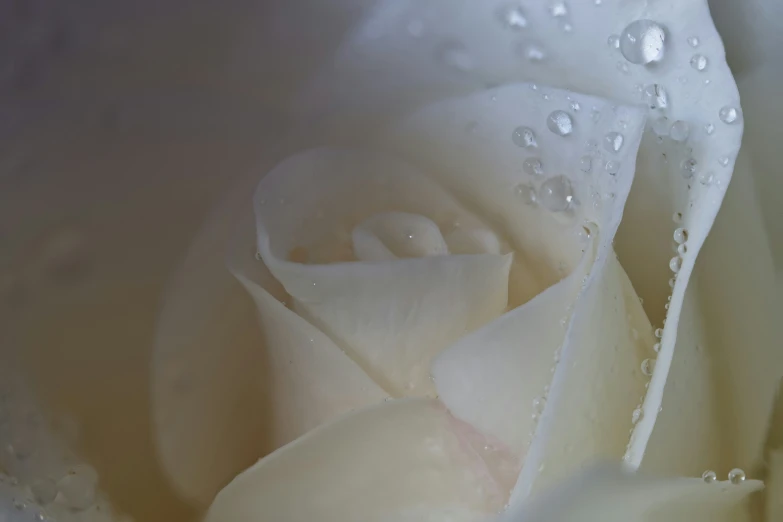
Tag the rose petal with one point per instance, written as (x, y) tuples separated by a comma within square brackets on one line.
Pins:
[(492, 377), (398, 461), (406, 53), (224, 392), (605, 494), (391, 317)]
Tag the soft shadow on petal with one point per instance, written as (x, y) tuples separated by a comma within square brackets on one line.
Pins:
[(393, 316), (399, 461)]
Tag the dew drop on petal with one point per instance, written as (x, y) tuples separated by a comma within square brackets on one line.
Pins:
[(709, 476), (657, 347), (656, 97), (693, 41), (613, 141), (533, 167), (524, 137), (682, 250), (556, 194), (661, 126), (560, 123), (736, 476), (658, 333), (636, 416), (675, 264), (586, 164), (729, 115), (558, 8), (513, 17), (534, 53), (612, 167), (677, 217), (648, 366), (613, 41), (724, 161), (699, 62), (575, 106), (527, 194), (705, 178), (671, 282), (709, 128), (680, 131), (688, 168), (681, 235), (642, 42)]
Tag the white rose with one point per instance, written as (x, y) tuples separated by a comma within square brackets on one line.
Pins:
[(416, 254)]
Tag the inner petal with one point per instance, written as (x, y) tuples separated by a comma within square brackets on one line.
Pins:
[(392, 235)]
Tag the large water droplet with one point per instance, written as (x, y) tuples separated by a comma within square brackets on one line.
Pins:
[(527, 194), (556, 194), (699, 62), (648, 366), (612, 167), (680, 131), (613, 141), (656, 97), (524, 137), (675, 264), (533, 167), (641, 42), (560, 123), (736, 476), (709, 476), (513, 17), (729, 115), (681, 235)]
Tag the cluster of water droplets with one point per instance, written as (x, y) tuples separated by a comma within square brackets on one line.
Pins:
[(736, 476)]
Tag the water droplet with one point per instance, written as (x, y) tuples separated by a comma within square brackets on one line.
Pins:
[(575, 106), (526, 193), (709, 476), (688, 168), (705, 178), (513, 17), (538, 404), (661, 126), (612, 167), (613, 141), (534, 53), (558, 8), (637, 415), (613, 41), (677, 217), (675, 264), (682, 249), (556, 194), (258, 256), (658, 333), (454, 54), (560, 123), (533, 167), (671, 282), (681, 235), (680, 131), (656, 97), (657, 347), (724, 161), (729, 115), (648, 366), (641, 42), (586, 164), (524, 137), (699, 62), (709, 128), (736, 476), (693, 41)]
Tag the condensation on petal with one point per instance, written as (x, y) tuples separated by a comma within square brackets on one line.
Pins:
[(405, 460)]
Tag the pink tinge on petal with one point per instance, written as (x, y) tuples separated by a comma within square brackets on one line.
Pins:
[(490, 458)]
